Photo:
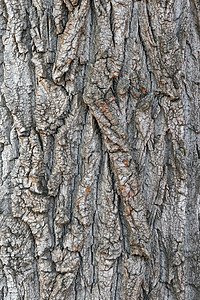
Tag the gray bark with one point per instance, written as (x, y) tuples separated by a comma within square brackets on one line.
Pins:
[(99, 149)]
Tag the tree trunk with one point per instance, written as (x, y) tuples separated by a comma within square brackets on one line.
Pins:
[(99, 149)]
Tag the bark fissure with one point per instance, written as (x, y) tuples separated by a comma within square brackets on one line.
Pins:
[(99, 149)]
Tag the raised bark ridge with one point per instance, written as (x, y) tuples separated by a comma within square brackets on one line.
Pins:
[(99, 149)]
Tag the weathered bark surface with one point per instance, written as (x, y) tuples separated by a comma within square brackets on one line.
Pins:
[(99, 149)]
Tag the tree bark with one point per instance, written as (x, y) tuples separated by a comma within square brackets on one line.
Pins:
[(99, 149)]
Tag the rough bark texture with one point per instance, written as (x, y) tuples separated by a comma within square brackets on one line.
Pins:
[(99, 149)]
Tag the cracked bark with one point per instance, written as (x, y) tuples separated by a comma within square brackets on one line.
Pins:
[(99, 149)]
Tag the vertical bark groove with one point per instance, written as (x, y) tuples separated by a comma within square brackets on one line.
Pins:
[(99, 149)]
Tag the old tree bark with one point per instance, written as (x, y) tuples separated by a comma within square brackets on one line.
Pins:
[(99, 149)]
